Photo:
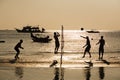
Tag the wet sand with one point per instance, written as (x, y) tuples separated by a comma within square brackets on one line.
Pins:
[(32, 73), (68, 60), (74, 67)]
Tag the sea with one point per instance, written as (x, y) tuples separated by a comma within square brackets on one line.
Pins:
[(73, 46), (73, 43)]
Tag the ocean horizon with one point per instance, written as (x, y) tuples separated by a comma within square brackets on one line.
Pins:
[(72, 41), (36, 57)]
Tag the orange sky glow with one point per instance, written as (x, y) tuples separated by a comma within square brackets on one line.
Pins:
[(51, 14)]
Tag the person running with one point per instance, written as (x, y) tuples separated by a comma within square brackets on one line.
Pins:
[(18, 45), (101, 47), (57, 44), (88, 46)]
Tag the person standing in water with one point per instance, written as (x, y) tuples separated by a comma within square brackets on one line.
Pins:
[(57, 44), (18, 45), (101, 47), (87, 45)]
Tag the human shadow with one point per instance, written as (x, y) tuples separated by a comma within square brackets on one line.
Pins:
[(13, 61), (19, 72), (106, 62), (101, 73)]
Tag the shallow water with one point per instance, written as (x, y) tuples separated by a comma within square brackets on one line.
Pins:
[(72, 42), (20, 73)]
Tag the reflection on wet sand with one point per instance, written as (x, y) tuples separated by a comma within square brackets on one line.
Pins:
[(87, 73), (19, 72), (56, 77), (59, 74), (101, 73), (62, 74)]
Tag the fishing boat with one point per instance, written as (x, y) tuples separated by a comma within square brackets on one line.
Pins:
[(90, 31), (93, 31), (28, 29), (1, 41), (45, 39)]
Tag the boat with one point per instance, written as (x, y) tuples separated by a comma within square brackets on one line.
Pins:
[(28, 29), (40, 39), (90, 31), (93, 31), (2, 41)]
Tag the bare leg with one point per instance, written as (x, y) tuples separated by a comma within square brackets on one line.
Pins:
[(18, 52), (102, 56), (99, 55), (56, 50), (89, 54), (84, 54), (16, 56)]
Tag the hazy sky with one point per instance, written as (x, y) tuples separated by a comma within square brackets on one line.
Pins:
[(51, 14)]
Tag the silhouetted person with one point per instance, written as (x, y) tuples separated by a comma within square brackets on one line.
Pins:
[(101, 47), (18, 45), (57, 44), (101, 73), (88, 46)]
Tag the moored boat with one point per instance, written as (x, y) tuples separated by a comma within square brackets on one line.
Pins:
[(93, 31), (90, 31), (28, 29), (1, 41), (40, 39)]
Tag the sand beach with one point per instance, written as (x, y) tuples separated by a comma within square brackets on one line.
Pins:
[(74, 67), (36, 58), (69, 60)]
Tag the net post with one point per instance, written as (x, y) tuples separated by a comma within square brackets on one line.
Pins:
[(62, 44)]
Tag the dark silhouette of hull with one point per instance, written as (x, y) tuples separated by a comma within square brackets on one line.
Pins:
[(2, 41), (42, 40), (25, 31), (93, 31), (28, 29)]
